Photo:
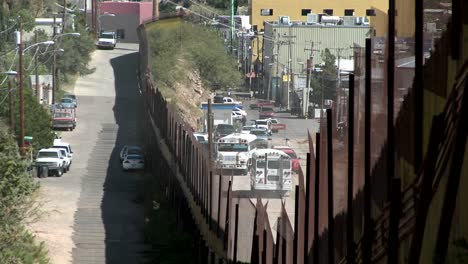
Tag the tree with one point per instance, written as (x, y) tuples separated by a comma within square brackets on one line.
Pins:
[(17, 245), (324, 82)]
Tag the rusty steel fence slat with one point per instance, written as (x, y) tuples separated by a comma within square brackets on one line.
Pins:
[(348, 177)]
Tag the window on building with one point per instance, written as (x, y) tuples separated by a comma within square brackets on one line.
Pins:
[(120, 33), (304, 12), (370, 12), (328, 12), (349, 12), (266, 12)]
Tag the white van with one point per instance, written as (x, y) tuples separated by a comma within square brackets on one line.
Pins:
[(58, 143)]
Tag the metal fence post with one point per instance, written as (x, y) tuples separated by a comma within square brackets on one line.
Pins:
[(366, 246), (394, 222), (236, 232), (349, 213), (307, 211), (317, 199), (296, 222), (331, 228)]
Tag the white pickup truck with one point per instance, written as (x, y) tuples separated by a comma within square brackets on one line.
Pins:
[(53, 159), (107, 39)]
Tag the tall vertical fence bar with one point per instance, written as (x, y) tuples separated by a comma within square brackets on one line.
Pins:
[(350, 207)]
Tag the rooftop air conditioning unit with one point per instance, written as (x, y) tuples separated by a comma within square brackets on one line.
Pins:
[(330, 19), (312, 18), (284, 20), (348, 21), (361, 21)]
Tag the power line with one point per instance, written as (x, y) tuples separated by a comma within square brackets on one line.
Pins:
[(11, 67), (4, 31)]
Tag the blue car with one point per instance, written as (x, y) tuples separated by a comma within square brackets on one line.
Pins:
[(67, 103)]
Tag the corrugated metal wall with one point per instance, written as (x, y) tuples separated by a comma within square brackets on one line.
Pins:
[(334, 38)]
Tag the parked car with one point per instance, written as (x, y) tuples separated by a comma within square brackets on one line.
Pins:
[(67, 102), (201, 137), (133, 162), (291, 153), (239, 110), (264, 123), (53, 159), (266, 112), (67, 159), (59, 143), (130, 150), (246, 129), (265, 103), (273, 122), (222, 130), (261, 133), (253, 106), (72, 97), (236, 115)]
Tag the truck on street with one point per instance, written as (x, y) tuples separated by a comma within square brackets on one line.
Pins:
[(64, 118), (53, 159)]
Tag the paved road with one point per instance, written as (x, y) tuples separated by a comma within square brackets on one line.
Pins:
[(93, 215), (296, 132)]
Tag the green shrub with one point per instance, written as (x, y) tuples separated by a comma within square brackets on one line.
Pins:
[(17, 206), (180, 47)]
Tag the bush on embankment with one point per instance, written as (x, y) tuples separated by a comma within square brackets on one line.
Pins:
[(17, 206)]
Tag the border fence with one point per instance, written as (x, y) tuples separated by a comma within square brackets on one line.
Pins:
[(351, 204)]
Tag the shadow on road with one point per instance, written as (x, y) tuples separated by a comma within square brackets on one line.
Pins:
[(122, 214), (264, 194)]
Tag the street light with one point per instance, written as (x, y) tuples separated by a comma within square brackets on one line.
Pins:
[(19, 42), (11, 76), (103, 15), (46, 43)]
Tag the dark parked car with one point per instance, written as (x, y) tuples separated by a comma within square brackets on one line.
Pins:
[(222, 130)]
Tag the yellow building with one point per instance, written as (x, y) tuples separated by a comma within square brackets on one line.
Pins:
[(297, 10)]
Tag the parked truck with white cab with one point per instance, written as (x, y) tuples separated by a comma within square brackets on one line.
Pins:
[(53, 159)]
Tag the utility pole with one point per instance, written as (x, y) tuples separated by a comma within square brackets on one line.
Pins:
[(94, 14), (21, 83), (11, 101), (85, 13), (289, 72), (232, 24), (54, 62), (64, 15), (305, 99), (278, 46), (37, 93)]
